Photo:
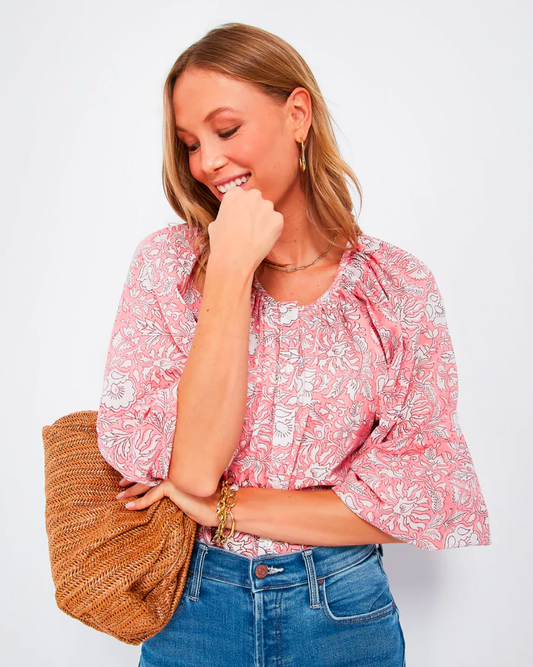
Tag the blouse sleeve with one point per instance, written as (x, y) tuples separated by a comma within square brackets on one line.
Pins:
[(413, 477), (149, 345)]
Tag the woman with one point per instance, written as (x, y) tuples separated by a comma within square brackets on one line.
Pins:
[(309, 356)]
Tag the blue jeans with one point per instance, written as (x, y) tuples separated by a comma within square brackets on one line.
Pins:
[(324, 606)]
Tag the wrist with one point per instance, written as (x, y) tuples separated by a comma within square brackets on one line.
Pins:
[(224, 518), (227, 268), (211, 519)]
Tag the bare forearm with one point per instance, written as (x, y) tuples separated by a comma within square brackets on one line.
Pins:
[(319, 518), (212, 388)]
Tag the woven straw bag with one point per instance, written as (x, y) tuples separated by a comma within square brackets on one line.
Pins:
[(118, 571)]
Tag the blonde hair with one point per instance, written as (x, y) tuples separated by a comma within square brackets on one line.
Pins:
[(266, 61)]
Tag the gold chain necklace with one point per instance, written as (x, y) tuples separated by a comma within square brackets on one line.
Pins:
[(298, 268)]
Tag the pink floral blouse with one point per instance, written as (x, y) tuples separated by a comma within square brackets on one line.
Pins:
[(356, 392)]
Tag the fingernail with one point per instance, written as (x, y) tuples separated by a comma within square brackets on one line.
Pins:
[(119, 495), (132, 504)]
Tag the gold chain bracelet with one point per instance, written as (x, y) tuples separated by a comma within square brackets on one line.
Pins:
[(224, 505)]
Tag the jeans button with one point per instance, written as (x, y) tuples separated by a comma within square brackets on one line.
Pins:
[(261, 571)]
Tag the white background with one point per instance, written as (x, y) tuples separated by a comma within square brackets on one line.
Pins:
[(433, 106)]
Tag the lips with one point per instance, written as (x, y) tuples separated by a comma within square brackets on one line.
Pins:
[(227, 181), (241, 185)]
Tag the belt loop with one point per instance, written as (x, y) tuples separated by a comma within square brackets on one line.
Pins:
[(311, 578), (198, 569), (380, 549)]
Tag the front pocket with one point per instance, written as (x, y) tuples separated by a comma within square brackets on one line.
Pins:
[(357, 594)]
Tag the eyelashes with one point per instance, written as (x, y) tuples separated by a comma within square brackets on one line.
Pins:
[(223, 135)]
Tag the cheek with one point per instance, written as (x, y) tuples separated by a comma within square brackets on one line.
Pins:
[(249, 150), (280, 161), (268, 155), (195, 169)]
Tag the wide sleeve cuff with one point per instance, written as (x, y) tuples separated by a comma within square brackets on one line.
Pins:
[(413, 477)]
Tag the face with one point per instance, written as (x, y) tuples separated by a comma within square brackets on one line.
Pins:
[(257, 136)]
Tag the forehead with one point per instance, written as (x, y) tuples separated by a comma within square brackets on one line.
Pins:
[(199, 92)]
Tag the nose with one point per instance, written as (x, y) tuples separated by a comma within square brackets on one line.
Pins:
[(212, 158)]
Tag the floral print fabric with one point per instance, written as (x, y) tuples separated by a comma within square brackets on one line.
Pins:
[(356, 392)]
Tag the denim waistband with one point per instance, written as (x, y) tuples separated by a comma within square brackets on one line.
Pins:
[(273, 570)]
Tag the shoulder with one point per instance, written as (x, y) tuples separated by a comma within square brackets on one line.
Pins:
[(169, 250), (400, 267), (405, 280), (172, 240), (163, 261)]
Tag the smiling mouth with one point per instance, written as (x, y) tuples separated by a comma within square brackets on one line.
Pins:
[(238, 182)]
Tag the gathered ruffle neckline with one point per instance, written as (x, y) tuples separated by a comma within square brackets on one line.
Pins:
[(330, 296)]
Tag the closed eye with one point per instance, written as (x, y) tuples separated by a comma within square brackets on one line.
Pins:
[(223, 135)]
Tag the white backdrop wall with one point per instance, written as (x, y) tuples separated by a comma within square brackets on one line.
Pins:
[(433, 105)]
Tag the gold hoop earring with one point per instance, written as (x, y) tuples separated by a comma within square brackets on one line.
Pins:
[(303, 164)]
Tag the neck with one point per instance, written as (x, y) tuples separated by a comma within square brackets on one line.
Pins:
[(299, 243)]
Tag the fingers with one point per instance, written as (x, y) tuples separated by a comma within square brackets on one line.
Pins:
[(149, 498), (134, 490)]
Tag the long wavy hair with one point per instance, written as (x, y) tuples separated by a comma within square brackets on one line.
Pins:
[(259, 58)]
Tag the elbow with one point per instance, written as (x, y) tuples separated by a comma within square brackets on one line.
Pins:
[(189, 476), (193, 484)]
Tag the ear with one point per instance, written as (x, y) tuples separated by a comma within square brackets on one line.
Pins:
[(300, 112)]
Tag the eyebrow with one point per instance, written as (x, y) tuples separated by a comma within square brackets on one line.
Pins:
[(210, 116)]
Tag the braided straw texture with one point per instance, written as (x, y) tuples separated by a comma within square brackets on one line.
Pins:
[(118, 571)]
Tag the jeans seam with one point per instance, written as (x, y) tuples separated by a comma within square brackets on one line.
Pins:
[(312, 579), (197, 574)]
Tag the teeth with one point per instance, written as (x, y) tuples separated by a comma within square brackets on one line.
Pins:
[(232, 184)]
